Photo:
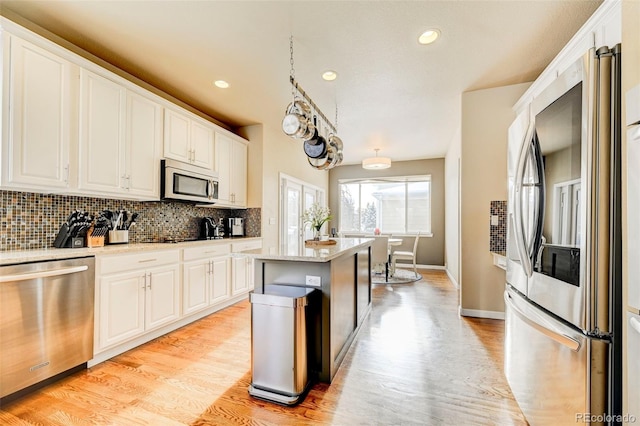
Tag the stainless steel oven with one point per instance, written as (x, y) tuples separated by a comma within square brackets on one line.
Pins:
[(184, 182)]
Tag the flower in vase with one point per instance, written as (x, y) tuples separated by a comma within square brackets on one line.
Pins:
[(316, 216)]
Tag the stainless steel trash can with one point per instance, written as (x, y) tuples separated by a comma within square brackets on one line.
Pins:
[(279, 370)]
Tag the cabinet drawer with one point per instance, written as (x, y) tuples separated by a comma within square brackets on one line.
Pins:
[(119, 263), (246, 245), (205, 251)]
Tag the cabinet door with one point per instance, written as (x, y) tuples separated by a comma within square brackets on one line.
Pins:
[(143, 145), (122, 308), (163, 296), (102, 106), (40, 94), (251, 274), (202, 145), (221, 279), (239, 174), (196, 278), (176, 136), (223, 167), (239, 267)]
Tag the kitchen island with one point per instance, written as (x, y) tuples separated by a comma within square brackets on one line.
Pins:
[(342, 273)]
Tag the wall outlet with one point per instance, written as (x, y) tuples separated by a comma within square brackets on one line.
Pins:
[(272, 221), (494, 220), (313, 281)]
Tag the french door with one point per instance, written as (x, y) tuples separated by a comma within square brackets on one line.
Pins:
[(296, 196)]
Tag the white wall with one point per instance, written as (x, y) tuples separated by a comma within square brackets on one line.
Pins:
[(486, 116), (280, 153), (451, 201)]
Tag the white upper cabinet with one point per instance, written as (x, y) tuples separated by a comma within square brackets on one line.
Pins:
[(239, 173), (143, 147), (188, 139), (120, 137), (223, 167), (37, 116), (70, 126), (202, 144), (102, 107), (231, 165)]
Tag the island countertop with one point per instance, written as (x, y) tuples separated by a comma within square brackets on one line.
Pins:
[(343, 246)]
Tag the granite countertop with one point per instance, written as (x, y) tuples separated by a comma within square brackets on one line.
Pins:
[(343, 246), (24, 256)]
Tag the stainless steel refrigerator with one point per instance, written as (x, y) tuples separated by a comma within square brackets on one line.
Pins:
[(563, 295)]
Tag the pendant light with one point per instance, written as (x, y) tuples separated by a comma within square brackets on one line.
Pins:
[(376, 163)]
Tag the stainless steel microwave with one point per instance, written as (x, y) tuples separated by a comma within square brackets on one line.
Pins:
[(184, 182)]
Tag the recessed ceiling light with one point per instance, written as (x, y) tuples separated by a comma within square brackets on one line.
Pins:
[(329, 75), (221, 84), (428, 36)]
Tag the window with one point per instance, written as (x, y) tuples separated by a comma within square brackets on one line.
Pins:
[(400, 205)]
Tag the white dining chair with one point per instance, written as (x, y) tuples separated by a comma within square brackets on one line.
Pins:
[(407, 255), (380, 254)]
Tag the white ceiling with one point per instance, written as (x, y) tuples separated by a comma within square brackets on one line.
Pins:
[(391, 93)]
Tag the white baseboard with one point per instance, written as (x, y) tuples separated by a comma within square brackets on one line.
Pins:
[(410, 266), (453, 280), (480, 314)]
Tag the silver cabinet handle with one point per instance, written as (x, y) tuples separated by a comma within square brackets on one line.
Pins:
[(42, 274), (66, 174), (546, 329), (147, 260), (150, 280), (635, 324), (144, 284)]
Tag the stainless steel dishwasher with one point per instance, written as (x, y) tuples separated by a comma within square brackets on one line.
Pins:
[(46, 320)]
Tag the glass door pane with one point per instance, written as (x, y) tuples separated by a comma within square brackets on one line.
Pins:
[(310, 198), (292, 213)]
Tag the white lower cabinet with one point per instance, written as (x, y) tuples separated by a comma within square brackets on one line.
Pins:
[(142, 299), (243, 274), (240, 273), (221, 279), (142, 295), (196, 276), (206, 277)]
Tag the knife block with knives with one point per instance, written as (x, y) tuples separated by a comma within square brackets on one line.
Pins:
[(72, 233)]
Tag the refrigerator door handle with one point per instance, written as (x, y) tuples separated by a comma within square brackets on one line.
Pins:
[(635, 324), (547, 329), (520, 239)]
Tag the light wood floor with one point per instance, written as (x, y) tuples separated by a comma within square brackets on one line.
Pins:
[(414, 362)]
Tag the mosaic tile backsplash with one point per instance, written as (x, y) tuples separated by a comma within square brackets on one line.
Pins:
[(498, 233), (30, 221)]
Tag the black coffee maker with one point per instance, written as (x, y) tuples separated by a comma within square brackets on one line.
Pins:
[(210, 230)]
